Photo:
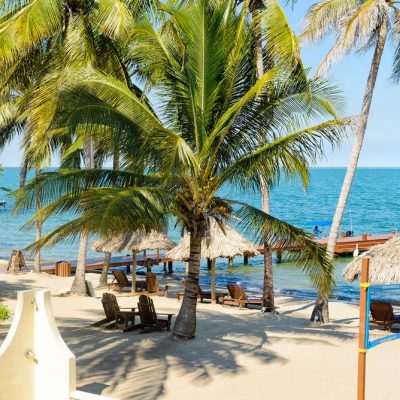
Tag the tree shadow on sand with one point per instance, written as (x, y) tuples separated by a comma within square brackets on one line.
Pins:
[(135, 366)]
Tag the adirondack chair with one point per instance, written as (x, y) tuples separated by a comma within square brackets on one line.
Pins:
[(238, 297), (202, 294), (149, 318), (153, 287), (382, 314), (123, 318)]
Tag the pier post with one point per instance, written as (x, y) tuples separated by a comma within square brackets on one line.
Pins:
[(230, 263), (170, 267), (279, 257), (164, 267), (362, 350), (245, 259), (134, 267), (213, 296), (209, 264)]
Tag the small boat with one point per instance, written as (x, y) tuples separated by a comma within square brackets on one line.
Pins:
[(3, 203)]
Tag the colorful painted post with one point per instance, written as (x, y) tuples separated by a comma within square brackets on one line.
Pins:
[(362, 350)]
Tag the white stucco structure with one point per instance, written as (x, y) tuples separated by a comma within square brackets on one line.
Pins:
[(35, 362)]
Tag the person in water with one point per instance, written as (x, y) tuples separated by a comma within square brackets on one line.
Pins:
[(316, 231)]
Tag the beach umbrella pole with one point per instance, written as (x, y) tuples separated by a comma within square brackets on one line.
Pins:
[(362, 351), (213, 296), (134, 267)]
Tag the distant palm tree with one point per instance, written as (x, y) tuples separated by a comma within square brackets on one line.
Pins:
[(269, 17), (58, 35), (204, 132), (357, 25)]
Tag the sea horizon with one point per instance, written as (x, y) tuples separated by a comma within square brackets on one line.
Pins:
[(370, 209)]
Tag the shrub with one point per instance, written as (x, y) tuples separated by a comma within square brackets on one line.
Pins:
[(4, 312)]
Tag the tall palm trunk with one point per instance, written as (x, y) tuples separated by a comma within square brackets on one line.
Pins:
[(268, 282), (104, 271), (23, 171), (36, 263), (321, 312), (79, 285), (185, 324), (107, 255)]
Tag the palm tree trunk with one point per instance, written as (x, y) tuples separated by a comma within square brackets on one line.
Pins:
[(268, 283), (23, 171), (36, 262), (104, 272), (321, 311), (116, 160), (79, 285), (185, 324)]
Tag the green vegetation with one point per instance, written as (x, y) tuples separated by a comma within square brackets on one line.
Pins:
[(215, 121), (4, 312), (358, 26)]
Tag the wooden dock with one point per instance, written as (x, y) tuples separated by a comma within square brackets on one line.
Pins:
[(344, 245), (93, 264), (347, 245)]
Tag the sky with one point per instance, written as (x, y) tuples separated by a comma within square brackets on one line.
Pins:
[(382, 141)]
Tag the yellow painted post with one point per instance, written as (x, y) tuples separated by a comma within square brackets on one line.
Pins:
[(362, 351)]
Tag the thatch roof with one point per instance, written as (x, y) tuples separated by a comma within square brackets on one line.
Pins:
[(384, 266), (225, 242), (138, 241)]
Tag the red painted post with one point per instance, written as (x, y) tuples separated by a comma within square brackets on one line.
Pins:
[(362, 351)]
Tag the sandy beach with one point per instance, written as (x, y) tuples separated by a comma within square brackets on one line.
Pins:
[(238, 354)]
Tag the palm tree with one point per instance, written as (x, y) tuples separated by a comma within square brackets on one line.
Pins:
[(268, 15), (65, 34), (357, 25), (204, 132)]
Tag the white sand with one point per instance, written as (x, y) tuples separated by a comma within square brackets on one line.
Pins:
[(237, 354)]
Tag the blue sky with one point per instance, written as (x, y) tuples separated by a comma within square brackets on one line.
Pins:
[(382, 141)]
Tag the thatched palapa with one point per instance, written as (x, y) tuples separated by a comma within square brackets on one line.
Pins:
[(224, 242), (137, 241), (384, 264)]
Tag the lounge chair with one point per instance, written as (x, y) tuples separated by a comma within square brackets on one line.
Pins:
[(382, 314), (123, 318), (202, 294), (149, 318), (152, 286), (121, 281), (238, 297)]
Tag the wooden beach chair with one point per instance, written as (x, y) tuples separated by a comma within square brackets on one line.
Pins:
[(152, 286), (202, 294), (121, 281), (121, 317), (238, 297), (382, 314), (148, 316)]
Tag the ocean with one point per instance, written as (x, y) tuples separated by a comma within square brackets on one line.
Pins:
[(373, 207)]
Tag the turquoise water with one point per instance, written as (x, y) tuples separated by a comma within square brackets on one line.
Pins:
[(373, 208)]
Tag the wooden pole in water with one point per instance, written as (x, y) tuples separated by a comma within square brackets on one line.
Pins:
[(134, 265), (362, 351), (213, 296)]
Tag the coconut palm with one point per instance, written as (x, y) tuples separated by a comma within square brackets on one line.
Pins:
[(203, 132), (58, 35), (269, 16), (358, 25)]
